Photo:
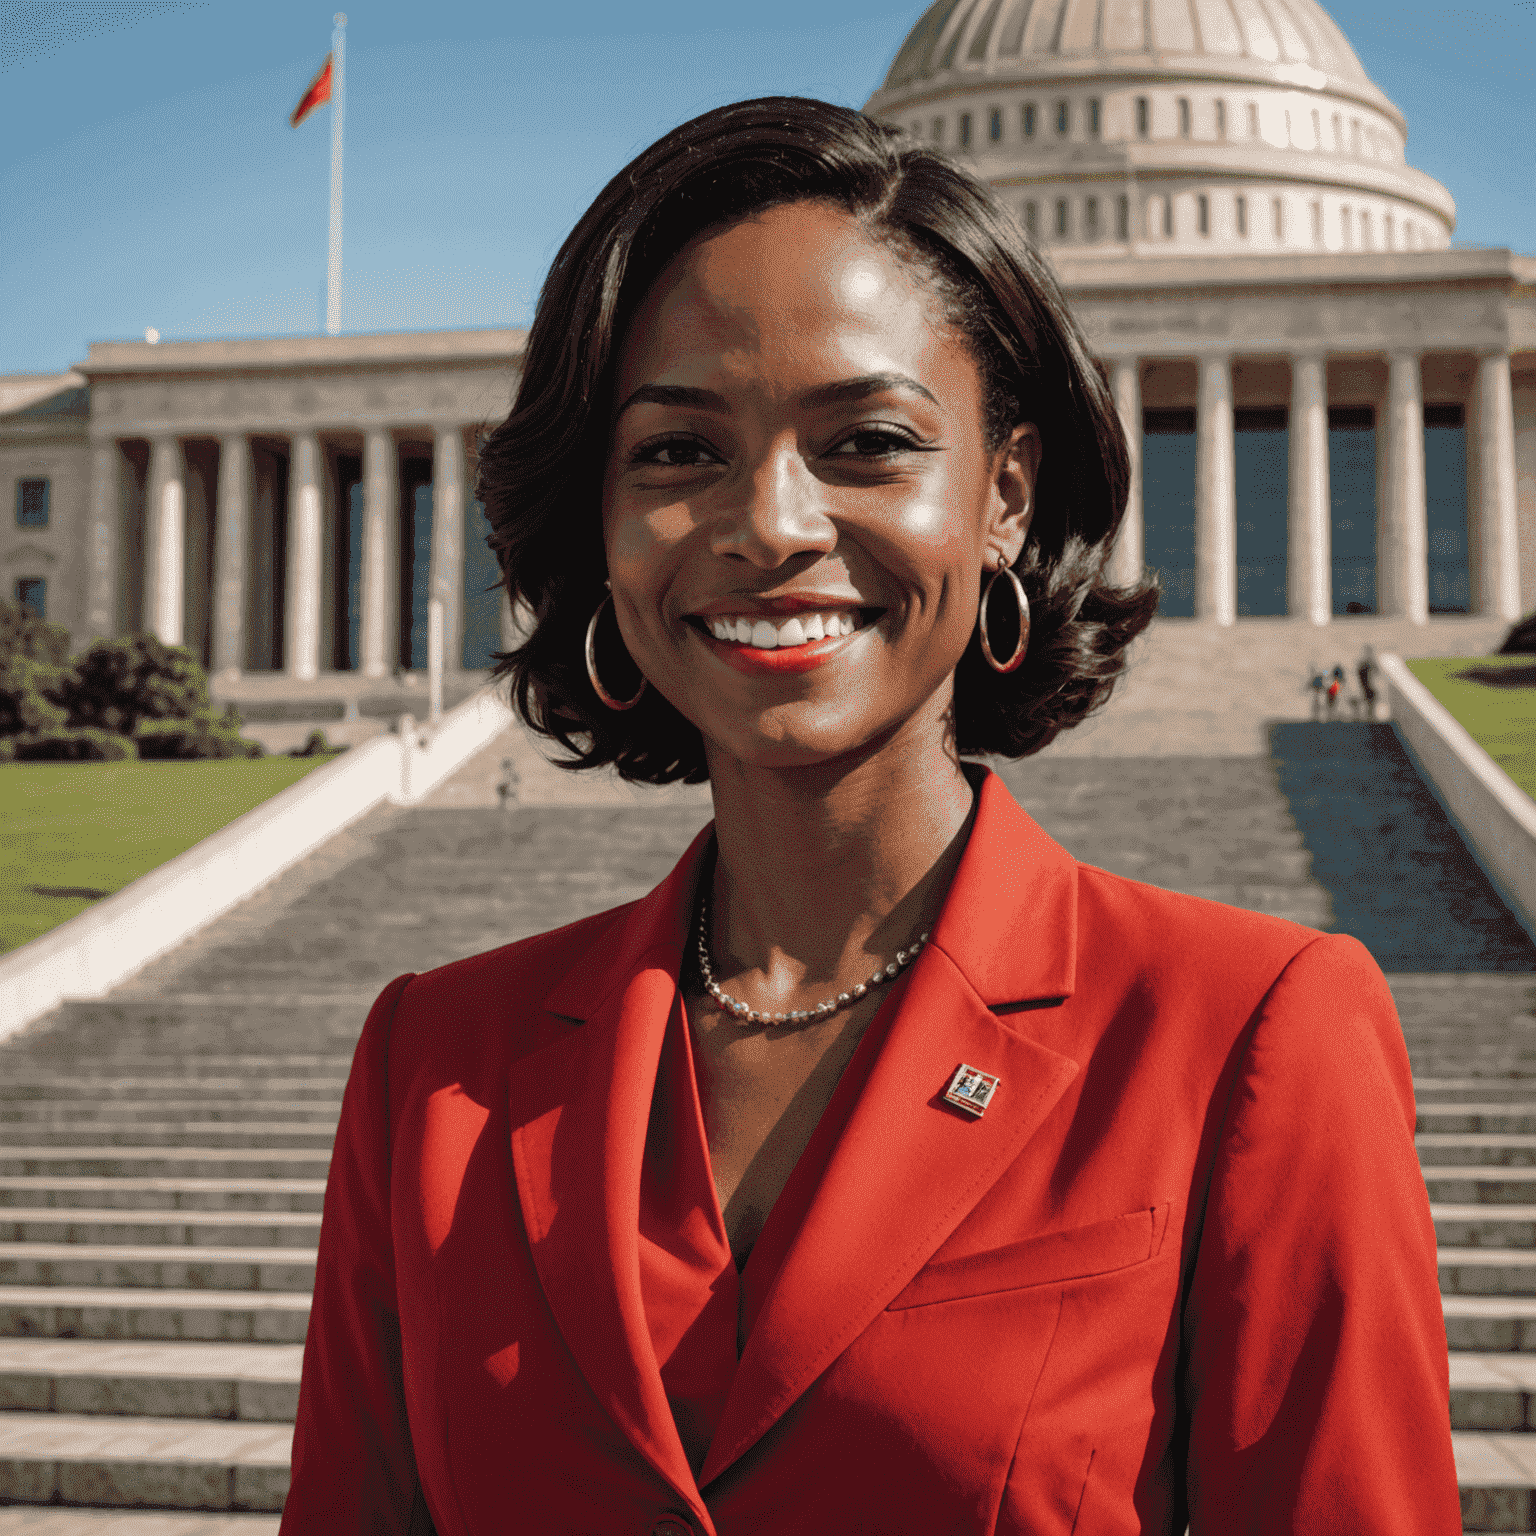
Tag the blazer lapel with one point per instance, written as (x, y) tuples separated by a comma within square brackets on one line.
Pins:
[(908, 1166), (579, 1109)]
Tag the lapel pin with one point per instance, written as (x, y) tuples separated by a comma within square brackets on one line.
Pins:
[(971, 1089)]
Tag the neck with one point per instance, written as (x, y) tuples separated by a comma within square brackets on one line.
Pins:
[(823, 873)]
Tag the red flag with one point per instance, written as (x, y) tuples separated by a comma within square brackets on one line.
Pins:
[(317, 95)]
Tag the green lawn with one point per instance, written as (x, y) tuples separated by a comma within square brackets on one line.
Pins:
[(1501, 719), (69, 829)]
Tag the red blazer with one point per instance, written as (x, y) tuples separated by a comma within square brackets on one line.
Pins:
[(1182, 1267)]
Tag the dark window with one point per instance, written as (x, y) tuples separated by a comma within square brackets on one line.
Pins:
[(32, 593), (995, 124), (1253, 119), (1093, 116), (1203, 213), (1123, 218), (1032, 220), (1168, 217), (1029, 119), (1168, 507), (32, 503), (1183, 117), (1445, 485), (1063, 218), (1279, 211), (1091, 217), (1221, 119), (938, 130), (1260, 447), (1242, 215), (1352, 491), (1143, 117), (965, 130), (1063, 117)]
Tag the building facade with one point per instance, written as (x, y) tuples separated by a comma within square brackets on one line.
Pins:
[(1331, 409)]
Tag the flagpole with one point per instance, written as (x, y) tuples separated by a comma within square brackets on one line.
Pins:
[(338, 100)]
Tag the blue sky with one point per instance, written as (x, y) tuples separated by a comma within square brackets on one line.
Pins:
[(148, 175)]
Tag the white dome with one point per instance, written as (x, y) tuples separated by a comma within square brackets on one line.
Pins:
[(1165, 126)]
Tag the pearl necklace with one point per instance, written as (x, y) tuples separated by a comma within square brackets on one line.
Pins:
[(746, 1015)]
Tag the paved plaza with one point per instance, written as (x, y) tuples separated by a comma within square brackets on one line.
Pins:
[(163, 1151)]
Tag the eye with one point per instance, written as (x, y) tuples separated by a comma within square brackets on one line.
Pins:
[(674, 453), (875, 442)]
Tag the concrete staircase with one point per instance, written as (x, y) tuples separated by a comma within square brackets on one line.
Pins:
[(163, 1152)]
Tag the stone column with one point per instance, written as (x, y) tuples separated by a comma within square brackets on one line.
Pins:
[(1309, 567), (231, 565), (301, 620), (106, 515), (1125, 564), (165, 540), (1496, 537), (447, 577), (1402, 539), (1215, 494), (377, 654)]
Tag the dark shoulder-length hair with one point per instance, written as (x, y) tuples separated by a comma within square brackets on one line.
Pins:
[(541, 471)]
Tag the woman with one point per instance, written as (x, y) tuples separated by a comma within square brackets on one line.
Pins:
[(884, 1169)]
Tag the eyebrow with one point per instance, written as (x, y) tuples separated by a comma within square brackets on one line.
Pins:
[(840, 393)]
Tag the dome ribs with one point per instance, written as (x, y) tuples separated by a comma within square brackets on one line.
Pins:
[(1173, 27), (1125, 27), (983, 33), (1012, 41)]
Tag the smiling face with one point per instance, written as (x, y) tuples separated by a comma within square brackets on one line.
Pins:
[(799, 501)]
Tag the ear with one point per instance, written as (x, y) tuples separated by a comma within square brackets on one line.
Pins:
[(1011, 501)]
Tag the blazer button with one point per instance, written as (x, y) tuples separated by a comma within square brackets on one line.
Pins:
[(672, 1525)]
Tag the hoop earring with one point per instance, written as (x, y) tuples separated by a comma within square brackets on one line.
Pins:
[(1022, 599), (597, 686)]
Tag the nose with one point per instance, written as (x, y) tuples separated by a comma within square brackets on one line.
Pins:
[(781, 513)]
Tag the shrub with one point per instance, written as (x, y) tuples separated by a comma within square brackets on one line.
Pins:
[(316, 744), (22, 633), (205, 736), (84, 744), (116, 684), (25, 705)]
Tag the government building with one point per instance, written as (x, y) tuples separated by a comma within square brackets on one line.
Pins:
[(1332, 409)]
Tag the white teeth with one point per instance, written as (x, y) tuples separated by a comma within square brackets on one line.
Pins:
[(764, 635)]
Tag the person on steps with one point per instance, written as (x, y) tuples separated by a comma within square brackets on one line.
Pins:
[(883, 1169)]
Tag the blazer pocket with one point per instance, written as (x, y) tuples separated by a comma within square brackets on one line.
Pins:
[(1050, 1259)]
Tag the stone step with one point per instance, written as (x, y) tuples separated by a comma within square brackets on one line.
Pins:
[(1497, 1474), (1487, 1184), (190, 1090), (178, 1112), (28, 1062), (1490, 1088), (1501, 1149), (90, 1312), (1495, 1392), (1463, 1271), (1473, 1226), (257, 1383), (52, 1192), (259, 1135), (179, 1268), (34, 1521), (191, 1229), (163, 1162), (1447, 1119), (51, 1458), (1490, 1324)]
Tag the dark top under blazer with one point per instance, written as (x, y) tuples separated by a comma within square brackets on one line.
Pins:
[(1183, 1266)]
